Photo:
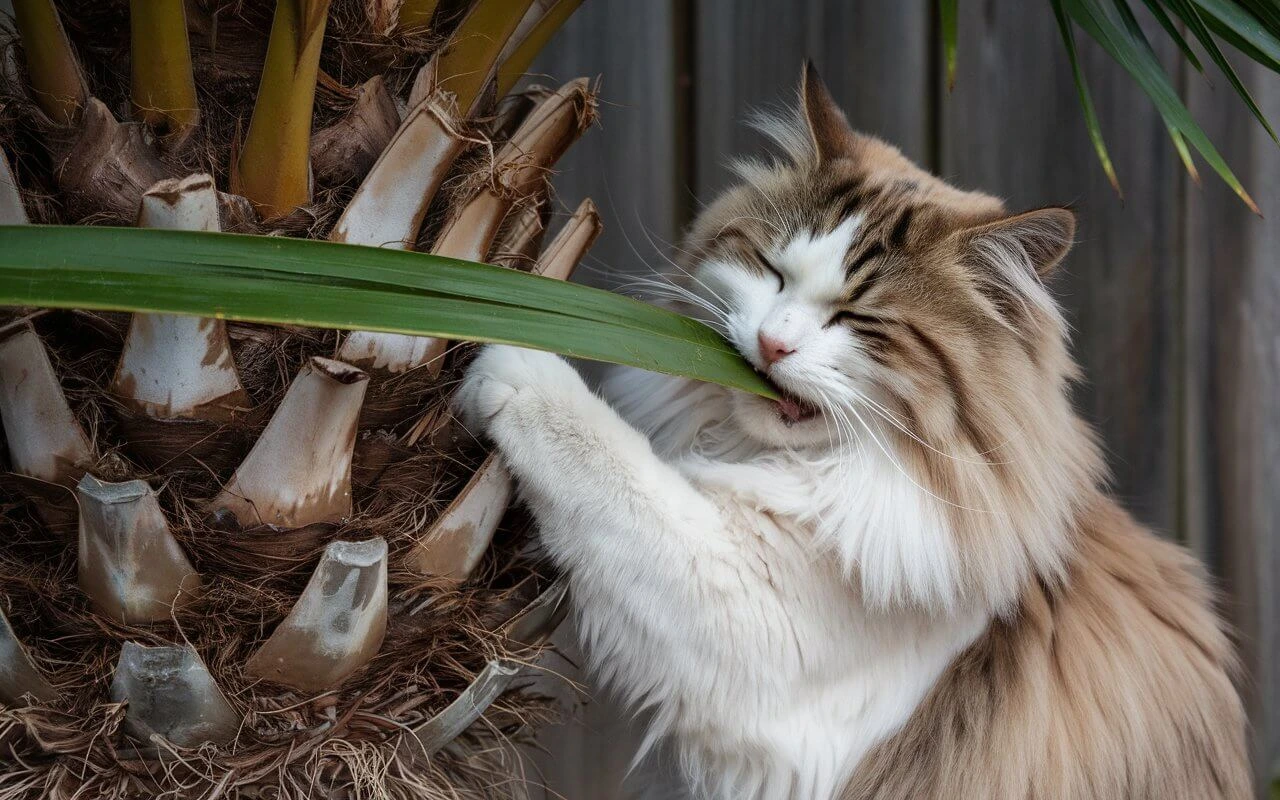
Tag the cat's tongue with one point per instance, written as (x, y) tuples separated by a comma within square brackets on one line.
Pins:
[(793, 410)]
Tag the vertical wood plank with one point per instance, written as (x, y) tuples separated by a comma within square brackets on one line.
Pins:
[(1013, 127), (875, 55), (627, 163), (1233, 390)]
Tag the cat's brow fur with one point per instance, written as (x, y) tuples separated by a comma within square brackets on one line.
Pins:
[(921, 591)]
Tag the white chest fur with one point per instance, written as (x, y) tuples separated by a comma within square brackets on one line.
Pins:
[(821, 654), (808, 678)]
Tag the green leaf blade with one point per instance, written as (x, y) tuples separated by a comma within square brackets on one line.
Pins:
[(1244, 31), (1171, 29), (948, 16), (1123, 40), (322, 284), (1196, 24), (1086, 100)]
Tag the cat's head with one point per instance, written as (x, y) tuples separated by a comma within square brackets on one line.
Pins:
[(861, 285), (923, 361)]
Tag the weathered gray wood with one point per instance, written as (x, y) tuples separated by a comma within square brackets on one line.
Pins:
[(627, 164), (1013, 127), (1233, 390), (876, 56)]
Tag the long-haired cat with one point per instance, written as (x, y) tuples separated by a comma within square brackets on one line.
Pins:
[(904, 579)]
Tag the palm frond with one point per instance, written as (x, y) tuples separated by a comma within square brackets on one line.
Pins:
[(350, 287), (1252, 27)]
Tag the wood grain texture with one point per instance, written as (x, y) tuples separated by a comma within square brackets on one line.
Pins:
[(1013, 127), (1232, 389), (875, 55), (627, 164)]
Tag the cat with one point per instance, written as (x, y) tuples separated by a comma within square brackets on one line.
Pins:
[(904, 578)]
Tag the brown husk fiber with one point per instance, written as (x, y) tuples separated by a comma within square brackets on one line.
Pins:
[(342, 744)]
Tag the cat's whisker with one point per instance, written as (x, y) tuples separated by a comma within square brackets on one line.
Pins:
[(722, 308), (677, 266), (677, 292), (715, 321), (905, 473), (641, 259), (659, 250), (895, 421), (831, 411)]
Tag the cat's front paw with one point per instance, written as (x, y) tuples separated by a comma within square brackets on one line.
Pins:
[(502, 375)]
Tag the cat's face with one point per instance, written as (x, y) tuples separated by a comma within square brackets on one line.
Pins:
[(874, 295)]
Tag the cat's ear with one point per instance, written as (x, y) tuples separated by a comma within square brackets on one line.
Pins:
[(1037, 240), (828, 129)]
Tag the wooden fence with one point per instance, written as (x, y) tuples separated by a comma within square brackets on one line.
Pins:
[(1173, 294)]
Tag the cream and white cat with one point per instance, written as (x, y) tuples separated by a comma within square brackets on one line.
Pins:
[(903, 580)]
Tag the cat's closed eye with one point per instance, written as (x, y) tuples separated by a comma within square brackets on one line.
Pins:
[(767, 264), (860, 323)]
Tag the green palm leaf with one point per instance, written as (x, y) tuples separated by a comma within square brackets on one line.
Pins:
[(1244, 31), (1195, 23), (950, 29), (322, 284), (1250, 26), (1086, 101), (1122, 38), (1171, 28)]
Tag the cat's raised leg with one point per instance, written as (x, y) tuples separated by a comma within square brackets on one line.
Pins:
[(649, 559), (591, 479)]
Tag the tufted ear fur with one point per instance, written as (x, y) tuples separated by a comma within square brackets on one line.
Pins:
[(1038, 239), (828, 129)]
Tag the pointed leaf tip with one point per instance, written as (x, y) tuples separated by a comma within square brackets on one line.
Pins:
[(947, 13)]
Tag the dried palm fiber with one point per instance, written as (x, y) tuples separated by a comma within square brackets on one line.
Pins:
[(220, 543)]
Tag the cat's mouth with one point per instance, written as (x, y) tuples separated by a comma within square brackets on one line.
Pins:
[(791, 409)]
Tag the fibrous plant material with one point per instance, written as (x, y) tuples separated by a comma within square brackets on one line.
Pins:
[(540, 23), (243, 618), (11, 209), (336, 626), (519, 174), (468, 62), (346, 150), (519, 244), (453, 546), (108, 165), (521, 167), (387, 211), (530, 627), (130, 566), (413, 14), (571, 244), (388, 208)]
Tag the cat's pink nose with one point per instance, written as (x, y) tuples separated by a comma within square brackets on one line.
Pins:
[(773, 350)]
